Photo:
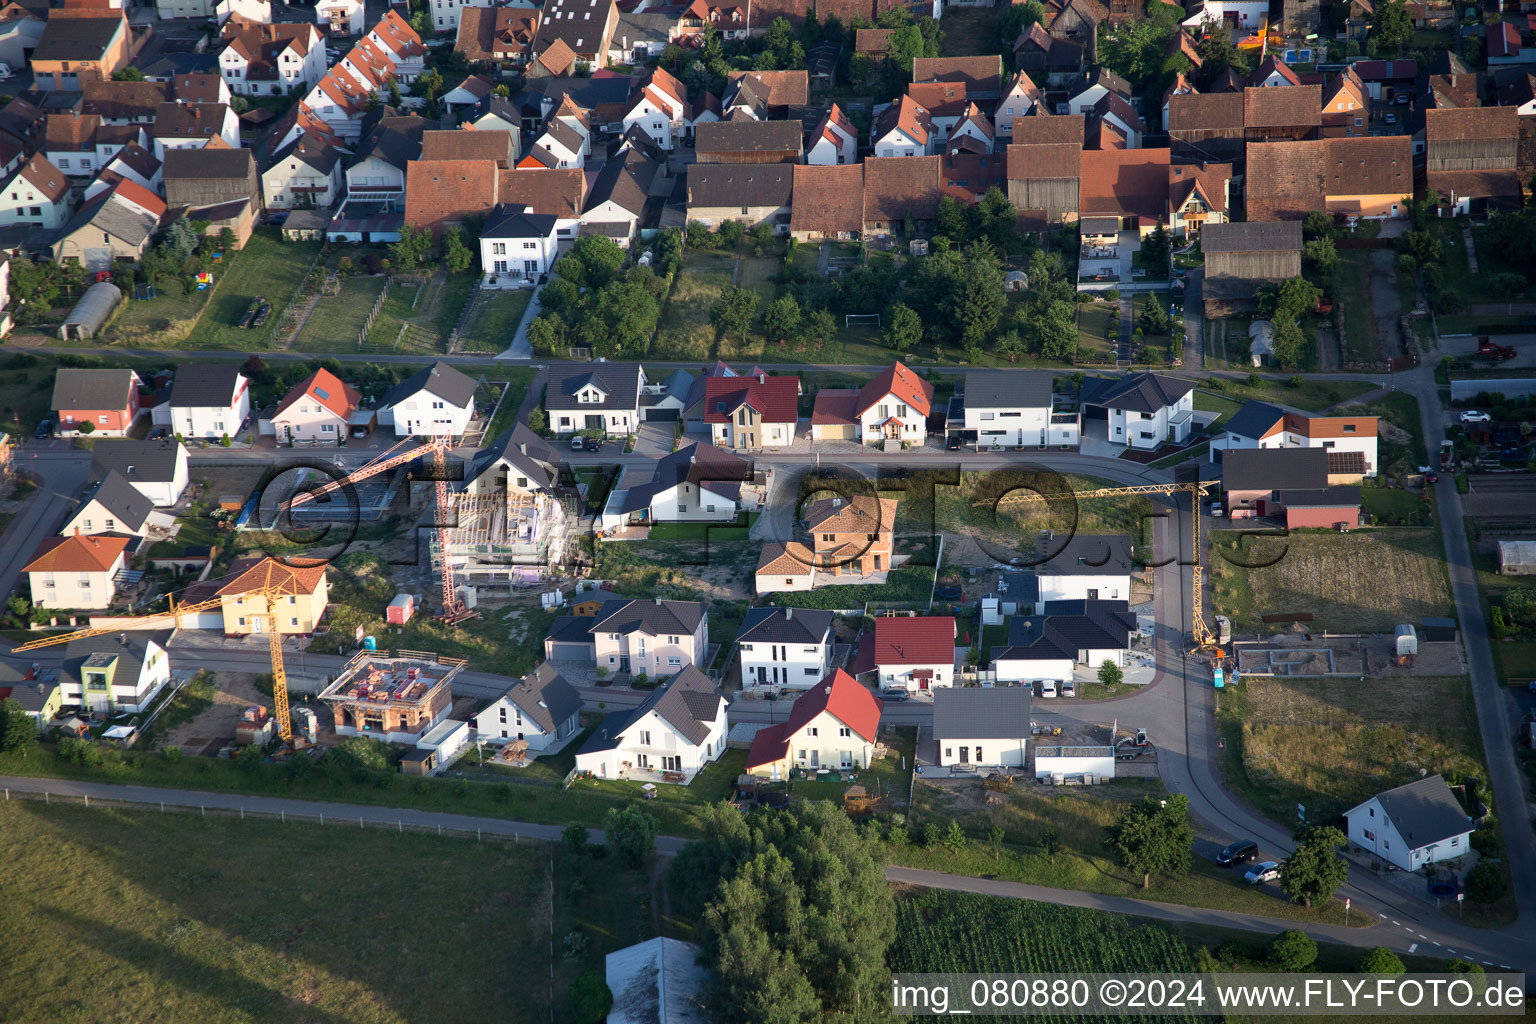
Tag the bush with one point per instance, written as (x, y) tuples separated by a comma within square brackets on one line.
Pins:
[(590, 998), (1380, 960), (1485, 883), (1112, 295), (931, 835), (173, 754), (1293, 950), (574, 838)]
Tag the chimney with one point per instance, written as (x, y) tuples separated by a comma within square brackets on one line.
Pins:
[(122, 638), (789, 613), (77, 531), (762, 378)]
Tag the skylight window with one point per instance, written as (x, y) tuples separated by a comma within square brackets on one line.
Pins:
[(321, 394)]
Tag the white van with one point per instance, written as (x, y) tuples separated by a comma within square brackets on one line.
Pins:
[(1047, 687)]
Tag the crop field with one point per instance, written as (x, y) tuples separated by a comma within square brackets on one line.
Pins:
[(1361, 582), (968, 933), (1331, 743)]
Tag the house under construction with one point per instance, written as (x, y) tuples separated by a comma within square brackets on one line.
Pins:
[(396, 699), (510, 524)]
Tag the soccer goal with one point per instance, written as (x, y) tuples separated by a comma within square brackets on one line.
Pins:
[(861, 320)]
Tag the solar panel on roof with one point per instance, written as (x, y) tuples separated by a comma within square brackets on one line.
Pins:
[(321, 394)]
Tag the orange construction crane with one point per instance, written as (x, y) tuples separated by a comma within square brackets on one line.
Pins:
[(270, 588), (454, 610)]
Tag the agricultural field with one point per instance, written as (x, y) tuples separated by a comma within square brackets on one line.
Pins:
[(493, 324), (249, 921), (336, 320), (1367, 581), (969, 933), (1331, 743)]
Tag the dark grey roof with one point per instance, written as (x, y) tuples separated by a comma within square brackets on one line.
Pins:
[(1085, 554), (91, 389), (544, 696), (31, 694), (785, 626), (978, 713), (513, 220), (208, 163), (395, 140), (678, 385), (539, 471), (1424, 811), (129, 650), (1274, 469), (439, 379), (1023, 587), (129, 507), (570, 629), (689, 702), (996, 389), (172, 65), (626, 182), (116, 218), (1068, 627), (532, 445), (1336, 496), (653, 616), (698, 464), (748, 136), (1141, 392), (750, 185), (1254, 419), (204, 385), (588, 93), (311, 150), (1252, 236), (621, 382), (77, 39), (138, 461)]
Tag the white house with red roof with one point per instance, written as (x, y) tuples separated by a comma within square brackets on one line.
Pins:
[(912, 653), (318, 409), (75, 571), (894, 407), (834, 724), (263, 60), (660, 109), (1019, 98), (749, 413), (834, 141), (36, 196), (905, 128)]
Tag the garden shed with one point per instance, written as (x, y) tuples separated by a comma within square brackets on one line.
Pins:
[(91, 312), (1517, 557)]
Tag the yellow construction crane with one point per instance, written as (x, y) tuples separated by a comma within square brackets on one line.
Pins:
[(270, 588), (454, 610), (1203, 639)]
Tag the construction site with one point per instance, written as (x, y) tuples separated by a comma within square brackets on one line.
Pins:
[(397, 699), (504, 539), (1307, 655)]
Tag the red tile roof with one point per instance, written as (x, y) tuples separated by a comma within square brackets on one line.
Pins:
[(327, 389), (919, 640), (1125, 182), (902, 382), (835, 407), (977, 74), (76, 554), (442, 191), (776, 399), (284, 579), (839, 695), (899, 185), (554, 192)]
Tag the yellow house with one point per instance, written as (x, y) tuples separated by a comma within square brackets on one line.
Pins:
[(298, 597)]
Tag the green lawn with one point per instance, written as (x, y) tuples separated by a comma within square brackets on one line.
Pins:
[(684, 330), (267, 267), (1312, 394), (427, 311), (1093, 322), (336, 320), (168, 316), (495, 320), (1395, 506), (518, 379), (1359, 330), (256, 920), (736, 529), (1224, 407)]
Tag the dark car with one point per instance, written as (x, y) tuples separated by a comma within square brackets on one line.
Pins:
[(44, 429), (160, 433), (1238, 853), (261, 314), (593, 444), (953, 444)]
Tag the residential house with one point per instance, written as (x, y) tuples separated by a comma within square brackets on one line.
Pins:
[(565, 142), (975, 726), (678, 730), (436, 401), (903, 129), (193, 125), (134, 163), (256, 11), (71, 140), (541, 710), (788, 648), (765, 95), (829, 202), (1346, 106), (1244, 14), (1518, 90), (1050, 60), (376, 171), (462, 145), (1020, 99), (318, 410), (643, 36), (1114, 124), (403, 52), (901, 194), (79, 43), (1144, 410), (1094, 86), (1470, 156), (894, 406), (265, 594), (603, 397), (1077, 21), (1075, 567), (519, 462), (210, 177), (660, 109), (1240, 257), (583, 27), (106, 399), (114, 674), (1045, 178), (853, 536), (117, 224), (749, 142), (654, 637), (911, 653), (1302, 485), (498, 37), (1198, 194), (340, 17), (1413, 826), (1129, 186), (1050, 646), (517, 247), (834, 724), (981, 76), (159, 470), (1260, 425), (752, 194), (33, 688), (208, 400), (37, 195), (305, 174), (696, 484), (271, 60), (1207, 126), (1012, 408), (833, 141), (620, 195), (111, 507), (75, 572), (752, 413), (21, 29), (1272, 72)]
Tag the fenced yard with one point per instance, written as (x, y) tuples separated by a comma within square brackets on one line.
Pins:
[(495, 319), (684, 330), (1093, 325), (334, 323), (426, 311)]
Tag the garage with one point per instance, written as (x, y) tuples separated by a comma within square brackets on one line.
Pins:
[(661, 414), (568, 651), (835, 432)]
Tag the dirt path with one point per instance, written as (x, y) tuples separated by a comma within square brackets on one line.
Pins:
[(233, 693), (1385, 307)]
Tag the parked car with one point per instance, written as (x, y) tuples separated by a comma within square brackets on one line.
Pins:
[(593, 444), (261, 314), (1475, 416), (1069, 688), (160, 433), (44, 429), (359, 431), (1047, 688), (1390, 119), (1240, 852), (577, 444), (1217, 509), (895, 696), (953, 444), (1265, 871)]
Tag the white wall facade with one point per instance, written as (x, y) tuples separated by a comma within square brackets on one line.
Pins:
[(1102, 765), (1108, 587), (692, 503), (825, 742), (1010, 426), (616, 422), (504, 722), (914, 425), (508, 260), (212, 422), (767, 666), (992, 751), (1148, 430), (1371, 829), (425, 414), (898, 143), (1032, 670), (123, 693), (651, 744), (93, 519), (20, 203), (770, 435), (84, 590), (900, 676), (657, 656)]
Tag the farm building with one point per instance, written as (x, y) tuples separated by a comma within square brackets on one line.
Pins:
[(92, 312), (1517, 557)]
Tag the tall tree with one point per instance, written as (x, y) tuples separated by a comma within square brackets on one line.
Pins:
[(903, 329), (980, 301), (631, 831), (1154, 838), (734, 311), (1391, 26), (1315, 870)]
